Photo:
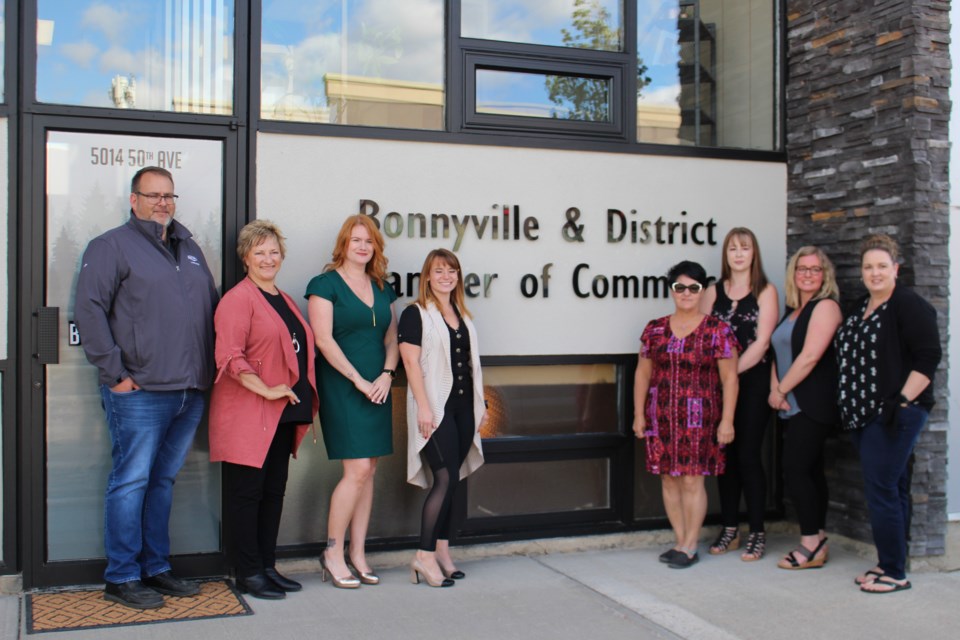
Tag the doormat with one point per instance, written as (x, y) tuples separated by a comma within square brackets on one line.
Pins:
[(86, 609)]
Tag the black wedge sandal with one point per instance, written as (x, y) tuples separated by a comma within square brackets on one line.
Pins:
[(756, 546), (728, 540)]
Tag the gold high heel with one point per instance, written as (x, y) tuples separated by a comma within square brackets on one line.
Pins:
[(365, 578), (416, 570), (339, 583)]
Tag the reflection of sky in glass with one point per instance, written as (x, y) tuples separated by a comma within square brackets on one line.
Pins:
[(532, 21), (180, 53), (381, 39), (658, 49), (526, 94)]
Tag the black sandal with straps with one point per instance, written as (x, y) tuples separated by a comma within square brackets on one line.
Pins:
[(728, 540), (756, 546)]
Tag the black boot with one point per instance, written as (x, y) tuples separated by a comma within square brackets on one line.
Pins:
[(260, 586), (285, 583)]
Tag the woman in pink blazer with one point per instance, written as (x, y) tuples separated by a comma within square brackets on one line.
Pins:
[(264, 401)]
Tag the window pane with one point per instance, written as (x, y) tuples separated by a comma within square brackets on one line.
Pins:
[(3, 48), (586, 24), (706, 73), (175, 55), (541, 95), (538, 487), (550, 400), (359, 62)]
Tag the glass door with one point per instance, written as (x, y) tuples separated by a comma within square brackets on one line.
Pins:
[(87, 187)]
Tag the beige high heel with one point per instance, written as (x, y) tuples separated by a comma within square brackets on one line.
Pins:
[(416, 570), (365, 578), (340, 583)]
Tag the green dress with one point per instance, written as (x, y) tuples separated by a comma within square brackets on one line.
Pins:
[(354, 427)]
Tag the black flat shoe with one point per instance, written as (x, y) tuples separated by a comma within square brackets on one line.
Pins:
[(285, 583), (683, 561), (669, 555), (167, 584), (132, 594), (260, 586)]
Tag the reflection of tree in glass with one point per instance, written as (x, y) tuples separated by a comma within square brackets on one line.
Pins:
[(64, 266), (378, 47), (588, 97)]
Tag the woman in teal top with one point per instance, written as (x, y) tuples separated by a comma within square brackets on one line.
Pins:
[(351, 313)]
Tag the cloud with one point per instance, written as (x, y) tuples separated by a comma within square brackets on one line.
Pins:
[(661, 95), (113, 24), (80, 53), (119, 60)]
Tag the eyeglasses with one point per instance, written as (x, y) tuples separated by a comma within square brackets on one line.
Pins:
[(813, 271), (154, 198), (696, 287)]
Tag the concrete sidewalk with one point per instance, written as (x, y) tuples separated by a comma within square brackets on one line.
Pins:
[(541, 589)]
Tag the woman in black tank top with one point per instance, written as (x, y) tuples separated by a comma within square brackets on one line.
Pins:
[(747, 301)]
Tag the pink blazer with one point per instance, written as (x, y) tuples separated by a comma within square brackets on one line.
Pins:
[(252, 338)]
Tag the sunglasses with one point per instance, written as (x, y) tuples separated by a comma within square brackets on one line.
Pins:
[(677, 287)]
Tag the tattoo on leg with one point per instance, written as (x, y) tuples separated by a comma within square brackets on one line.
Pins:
[(331, 543)]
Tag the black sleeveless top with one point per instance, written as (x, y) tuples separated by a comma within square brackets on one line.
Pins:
[(742, 315)]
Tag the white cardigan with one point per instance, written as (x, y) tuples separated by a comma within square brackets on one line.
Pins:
[(438, 381)]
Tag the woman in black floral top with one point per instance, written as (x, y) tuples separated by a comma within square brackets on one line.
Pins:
[(889, 349), (747, 301)]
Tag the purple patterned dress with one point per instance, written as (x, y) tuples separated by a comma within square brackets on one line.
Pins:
[(685, 398)]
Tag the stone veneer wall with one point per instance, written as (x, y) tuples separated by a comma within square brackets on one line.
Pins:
[(867, 139)]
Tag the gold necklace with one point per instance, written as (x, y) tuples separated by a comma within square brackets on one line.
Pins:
[(353, 286)]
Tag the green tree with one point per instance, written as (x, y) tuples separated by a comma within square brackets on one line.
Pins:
[(587, 98)]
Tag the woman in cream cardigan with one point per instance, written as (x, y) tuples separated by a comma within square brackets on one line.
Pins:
[(438, 344)]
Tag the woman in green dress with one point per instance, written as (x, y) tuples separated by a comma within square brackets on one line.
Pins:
[(350, 307)]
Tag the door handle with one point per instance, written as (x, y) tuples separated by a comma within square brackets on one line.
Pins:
[(48, 335)]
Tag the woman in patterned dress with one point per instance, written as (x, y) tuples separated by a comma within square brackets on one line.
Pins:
[(747, 301), (684, 395), (889, 349)]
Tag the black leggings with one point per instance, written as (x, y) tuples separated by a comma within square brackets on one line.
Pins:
[(445, 452), (744, 471), (255, 502), (803, 444)]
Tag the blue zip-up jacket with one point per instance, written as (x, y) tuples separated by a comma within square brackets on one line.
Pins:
[(145, 311)]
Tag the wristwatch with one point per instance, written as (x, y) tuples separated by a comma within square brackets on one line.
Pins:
[(391, 372), (902, 399)]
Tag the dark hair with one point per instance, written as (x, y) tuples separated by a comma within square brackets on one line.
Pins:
[(758, 278), (881, 242), (135, 183), (688, 268)]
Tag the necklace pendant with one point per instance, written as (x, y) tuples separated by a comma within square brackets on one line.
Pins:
[(296, 344)]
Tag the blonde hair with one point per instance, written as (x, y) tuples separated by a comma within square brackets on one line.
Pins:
[(377, 267), (255, 233), (828, 288), (426, 294)]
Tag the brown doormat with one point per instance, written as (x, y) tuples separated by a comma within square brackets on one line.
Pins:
[(86, 609)]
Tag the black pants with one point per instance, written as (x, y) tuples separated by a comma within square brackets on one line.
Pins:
[(254, 503), (445, 452), (803, 444), (744, 471)]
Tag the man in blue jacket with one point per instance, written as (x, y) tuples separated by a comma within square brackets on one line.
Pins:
[(144, 308)]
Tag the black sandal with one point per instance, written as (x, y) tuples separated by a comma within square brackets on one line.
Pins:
[(728, 540), (811, 561), (756, 546)]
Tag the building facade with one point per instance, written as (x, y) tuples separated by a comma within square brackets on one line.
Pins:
[(568, 151)]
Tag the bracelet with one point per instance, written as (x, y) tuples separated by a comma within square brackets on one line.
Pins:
[(390, 372)]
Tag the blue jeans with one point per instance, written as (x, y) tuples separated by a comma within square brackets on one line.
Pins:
[(885, 456), (151, 433)]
